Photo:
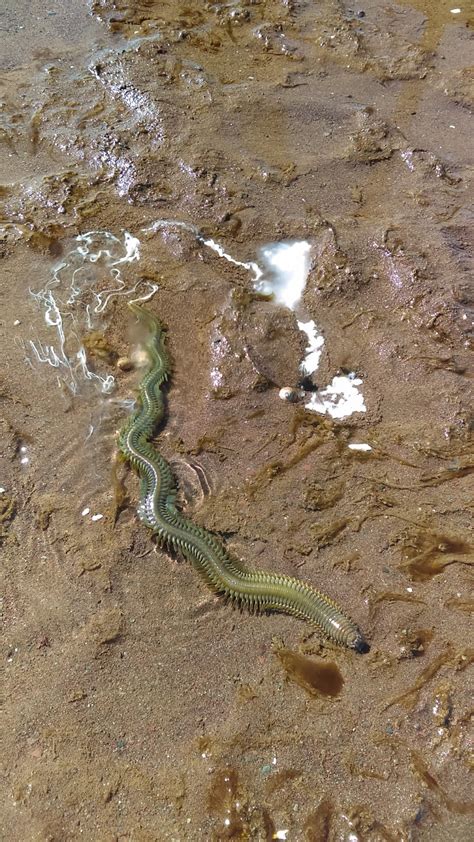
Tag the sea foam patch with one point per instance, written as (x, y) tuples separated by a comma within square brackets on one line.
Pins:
[(282, 272), (362, 446), (285, 273), (340, 399), (286, 268), (251, 266), (314, 347)]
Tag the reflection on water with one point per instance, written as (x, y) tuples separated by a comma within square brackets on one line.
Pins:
[(81, 287)]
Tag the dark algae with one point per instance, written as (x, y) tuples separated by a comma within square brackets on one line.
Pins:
[(409, 697), (452, 804), (426, 553), (317, 676), (223, 802), (466, 605), (318, 824), (7, 513), (255, 590)]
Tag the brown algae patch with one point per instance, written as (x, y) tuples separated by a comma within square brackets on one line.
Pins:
[(318, 824), (426, 554), (452, 804), (223, 802), (7, 513), (409, 697), (315, 675), (465, 605)]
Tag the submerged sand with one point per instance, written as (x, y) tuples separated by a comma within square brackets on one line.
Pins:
[(137, 705)]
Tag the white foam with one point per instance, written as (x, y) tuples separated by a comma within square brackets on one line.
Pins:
[(284, 275), (361, 446), (340, 399), (251, 266), (286, 271), (314, 347), (285, 265)]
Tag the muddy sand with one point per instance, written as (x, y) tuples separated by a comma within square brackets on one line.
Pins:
[(169, 150)]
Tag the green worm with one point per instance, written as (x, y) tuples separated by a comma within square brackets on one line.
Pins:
[(255, 590)]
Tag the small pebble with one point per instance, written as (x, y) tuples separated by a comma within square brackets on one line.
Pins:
[(290, 395), (124, 364)]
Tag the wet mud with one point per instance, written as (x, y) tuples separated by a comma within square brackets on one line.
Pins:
[(143, 146)]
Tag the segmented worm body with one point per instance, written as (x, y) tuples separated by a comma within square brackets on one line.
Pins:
[(255, 590)]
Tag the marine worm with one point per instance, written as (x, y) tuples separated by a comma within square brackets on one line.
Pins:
[(255, 590)]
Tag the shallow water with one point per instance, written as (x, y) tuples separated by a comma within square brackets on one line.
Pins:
[(198, 155)]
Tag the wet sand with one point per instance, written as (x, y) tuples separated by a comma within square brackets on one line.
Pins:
[(138, 706)]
